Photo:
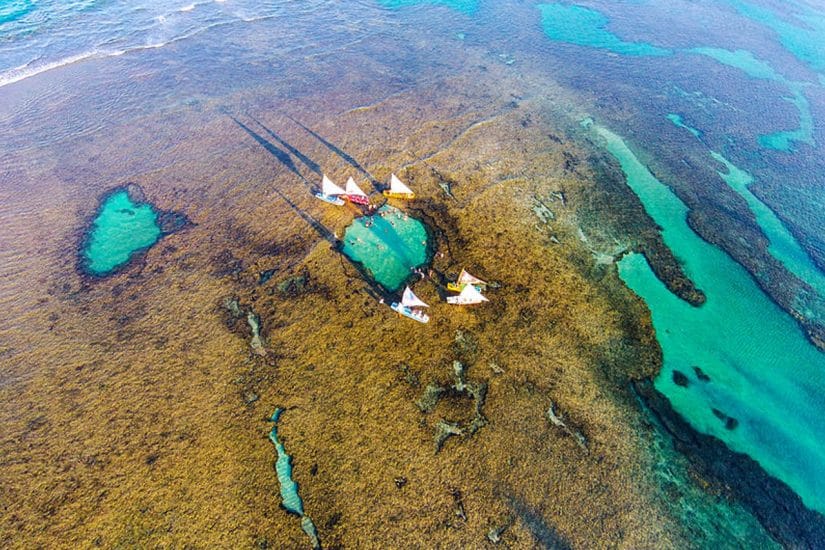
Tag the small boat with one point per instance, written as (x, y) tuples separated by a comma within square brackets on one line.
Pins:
[(354, 194), (398, 190), (408, 305), (465, 279), (329, 192), (469, 295)]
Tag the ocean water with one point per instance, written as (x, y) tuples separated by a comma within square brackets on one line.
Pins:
[(228, 110), (760, 365)]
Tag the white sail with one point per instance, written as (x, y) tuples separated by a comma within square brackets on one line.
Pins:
[(329, 188), (353, 189), (467, 279), (411, 300), (470, 295), (397, 186)]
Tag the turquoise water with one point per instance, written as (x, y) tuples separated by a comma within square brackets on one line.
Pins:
[(585, 27), (805, 40), (756, 68), (390, 248), (290, 499), (783, 245), (120, 230), (763, 371), (468, 7), (283, 467), (677, 120)]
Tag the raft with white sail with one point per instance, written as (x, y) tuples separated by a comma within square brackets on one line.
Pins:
[(409, 307), (465, 279), (354, 194), (329, 192), (469, 295), (398, 190)]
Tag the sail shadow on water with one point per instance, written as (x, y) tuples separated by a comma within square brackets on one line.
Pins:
[(281, 155), (297, 153), (349, 159)]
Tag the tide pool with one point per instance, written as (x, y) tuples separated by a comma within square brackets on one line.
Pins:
[(290, 499), (586, 27), (121, 229), (763, 372), (677, 120), (389, 244)]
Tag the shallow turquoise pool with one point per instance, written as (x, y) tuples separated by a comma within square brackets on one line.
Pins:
[(121, 229)]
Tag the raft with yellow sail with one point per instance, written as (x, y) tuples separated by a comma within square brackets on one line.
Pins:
[(465, 279), (398, 190)]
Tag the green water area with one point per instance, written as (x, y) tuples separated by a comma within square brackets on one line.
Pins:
[(746, 372), (783, 245), (583, 26), (389, 244), (290, 499), (586, 27), (121, 229)]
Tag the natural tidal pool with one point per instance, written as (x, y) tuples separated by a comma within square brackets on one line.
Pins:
[(738, 367), (122, 228), (389, 244)]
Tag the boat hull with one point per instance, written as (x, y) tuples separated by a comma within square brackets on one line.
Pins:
[(358, 199), (412, 314), (458, 287), (458, 301), (392, 195), (330, 199)]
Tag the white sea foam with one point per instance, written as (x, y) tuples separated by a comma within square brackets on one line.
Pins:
[(27, 70), (190, 7)]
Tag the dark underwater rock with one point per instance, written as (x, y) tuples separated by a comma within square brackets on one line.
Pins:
[(700, 374), (777, 508), (680, 379)]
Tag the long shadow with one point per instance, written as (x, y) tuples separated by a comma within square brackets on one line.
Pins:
[(311, 164), (343, 154), (281, 155)]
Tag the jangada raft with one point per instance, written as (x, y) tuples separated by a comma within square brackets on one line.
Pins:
[(465, 279), (408, 307), (354, 194), (329, 192), (398, 190), (469, 295)]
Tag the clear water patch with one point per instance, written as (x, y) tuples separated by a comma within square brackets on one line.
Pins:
[(764, 394), (290, 498), (587, 27), (389, 245), (124, 226)]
